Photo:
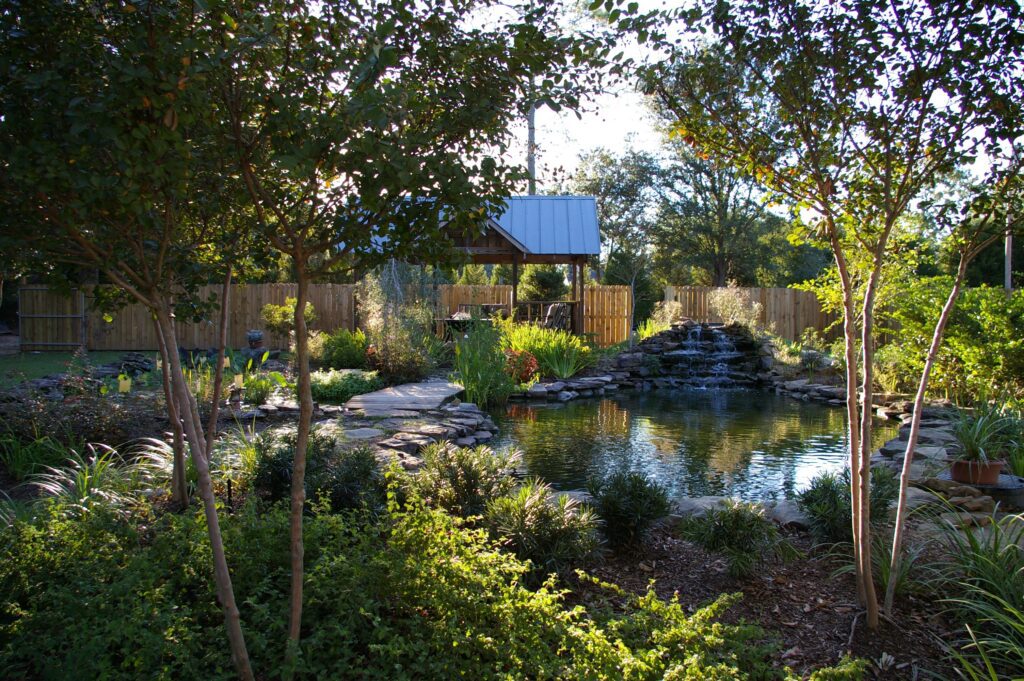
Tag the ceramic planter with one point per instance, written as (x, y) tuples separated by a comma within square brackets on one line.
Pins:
[(975, 472)]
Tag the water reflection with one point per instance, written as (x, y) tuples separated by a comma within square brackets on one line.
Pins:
[(748, 444)]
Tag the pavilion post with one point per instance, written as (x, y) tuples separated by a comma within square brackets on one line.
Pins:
[(580, 314), (515, 285)]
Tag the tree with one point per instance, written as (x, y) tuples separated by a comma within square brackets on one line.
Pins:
[(358, 126), (850, 110), (472, 275), (712, 219), (113, 159), (542, 282), (627, 268)]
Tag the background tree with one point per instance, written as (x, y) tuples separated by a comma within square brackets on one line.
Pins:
[(849, 110), (542, 282), (472, 275), (359, 125), (112, 159)]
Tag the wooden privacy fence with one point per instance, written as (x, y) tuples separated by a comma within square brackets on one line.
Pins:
[(132, 326), (50, 320), (605, 308), (786, 311)]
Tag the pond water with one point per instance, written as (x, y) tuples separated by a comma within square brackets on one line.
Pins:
[(751, 445)]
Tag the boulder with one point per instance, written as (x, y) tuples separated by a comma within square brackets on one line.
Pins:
[(787, 513), (981, 504), (697, 506)]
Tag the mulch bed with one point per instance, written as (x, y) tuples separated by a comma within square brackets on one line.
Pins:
[(814, 616)]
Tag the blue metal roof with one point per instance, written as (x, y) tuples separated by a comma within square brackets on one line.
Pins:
[(552, 225)]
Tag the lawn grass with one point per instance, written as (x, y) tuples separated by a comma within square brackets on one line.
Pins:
[(28, 365)]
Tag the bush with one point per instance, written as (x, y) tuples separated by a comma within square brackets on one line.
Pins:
[(552, 532), (462, 480), (280, 319), (257, 388), (984, 580), (409, 595), (742, 533), (826, 503), (343, 349), (339, 386), (521, 366), (650, 327), (480, 365), (559, 353), (22, 458), (628, 504), (347, 478), (733, 305)]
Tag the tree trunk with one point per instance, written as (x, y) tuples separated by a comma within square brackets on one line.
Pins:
[(866, 424), (187, 407), (179, 479), (298, 492), (218, 380), (915, 427)]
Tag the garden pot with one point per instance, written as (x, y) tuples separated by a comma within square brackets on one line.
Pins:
[(976, 472)]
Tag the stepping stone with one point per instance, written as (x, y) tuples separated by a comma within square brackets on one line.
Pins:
[(362, 433), (410, 396), (481, 436)]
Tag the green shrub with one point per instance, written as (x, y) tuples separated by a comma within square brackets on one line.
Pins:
[(559, 353), (257, 388), (983, 435), (826, 503), (408, 595), (480, 366), (908, 579), (984, 580), (628, 504), (462, 480), (280, 319), (650, 327), (552, 532), (339, 386), (742, 533), (346, 478), (22, 458), (344, 349)]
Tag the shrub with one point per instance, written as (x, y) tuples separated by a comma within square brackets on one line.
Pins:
[(983, 435), (650, 327), (628, 504), (984, 580), (347, 478), (400, 330), (462, 480), (22, 458), (558, 353), (257, 388), (344, 349), (552, 532), (742, 533), (280, 319), (408, 595), (733, 305), (101, 479), (481, 365), (826, 503), (521, 366), (668, 313), (338, 386)]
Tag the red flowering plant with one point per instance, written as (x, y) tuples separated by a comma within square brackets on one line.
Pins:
[(520, 365)]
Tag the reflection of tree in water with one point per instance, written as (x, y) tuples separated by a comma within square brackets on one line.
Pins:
[(748, 444)]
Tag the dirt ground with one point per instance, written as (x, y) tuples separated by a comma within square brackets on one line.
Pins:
[(815, 617)]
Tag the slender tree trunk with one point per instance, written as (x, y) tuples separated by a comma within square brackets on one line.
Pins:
[(193, 431), (866, 424), (218, 380), (179, 480), (298, 496), (915, 428)]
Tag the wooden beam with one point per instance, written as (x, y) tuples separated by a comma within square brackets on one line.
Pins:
[(515, 285)]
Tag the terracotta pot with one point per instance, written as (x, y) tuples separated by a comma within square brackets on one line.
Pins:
[(976, 472)]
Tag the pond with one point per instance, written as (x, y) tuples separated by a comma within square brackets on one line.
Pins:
[(750, 445)]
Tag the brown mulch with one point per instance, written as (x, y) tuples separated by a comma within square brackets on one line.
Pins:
[(814, 617)]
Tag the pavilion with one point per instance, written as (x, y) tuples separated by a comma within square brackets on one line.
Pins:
[(560, 230)]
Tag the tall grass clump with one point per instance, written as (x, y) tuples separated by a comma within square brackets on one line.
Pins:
[(552, 531), (984, 580), (21, 457), (628, 503), (742, 533), (650, 327), (462, 480), (102, 478), (480, 365), (826, 503), (559, 353)]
